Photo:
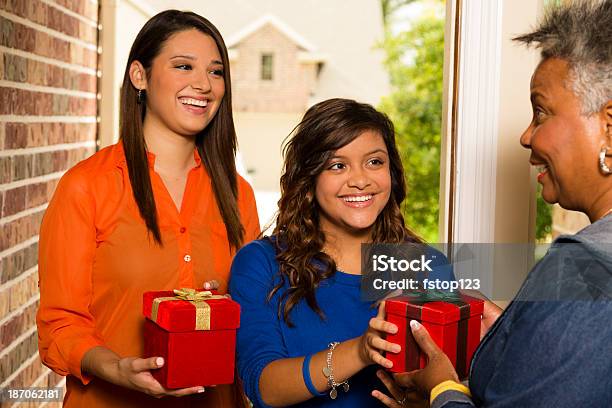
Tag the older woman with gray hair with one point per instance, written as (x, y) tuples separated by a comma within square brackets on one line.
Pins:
[(552, 347)]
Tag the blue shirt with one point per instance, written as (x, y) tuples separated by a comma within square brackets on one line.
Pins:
[(263, 337)]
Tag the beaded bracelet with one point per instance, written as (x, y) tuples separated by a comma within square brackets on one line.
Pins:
[(328, 372)]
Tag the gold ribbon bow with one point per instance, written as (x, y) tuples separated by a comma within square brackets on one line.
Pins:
[(193, 296)]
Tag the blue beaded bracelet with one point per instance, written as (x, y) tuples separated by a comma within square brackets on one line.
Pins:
[(307, 379)]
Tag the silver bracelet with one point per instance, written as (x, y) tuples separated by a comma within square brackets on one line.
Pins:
[(328, 372)]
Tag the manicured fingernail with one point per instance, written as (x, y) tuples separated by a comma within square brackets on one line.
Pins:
[(159, 361), (393, 329), (414, 325), (201, 390), (397, 348), (207, 285)]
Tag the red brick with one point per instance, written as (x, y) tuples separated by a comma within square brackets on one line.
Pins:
[(6, 169), (1, 66), (5, 303), (23, 102), (23, 291), (14, 201), (37, 194), (16, 135), (36, 135), (28, 375), (2, 132), (11, 362), (19, 230), (60, 160), (15, 35), (15, 264), (20, 69), (22, 167), (87, 9), (16, 68), (12, 329)]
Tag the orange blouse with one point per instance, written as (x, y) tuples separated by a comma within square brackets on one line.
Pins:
[(96, 259)]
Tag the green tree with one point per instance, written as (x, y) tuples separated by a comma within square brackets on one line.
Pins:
[(415, 59), (543, 218)]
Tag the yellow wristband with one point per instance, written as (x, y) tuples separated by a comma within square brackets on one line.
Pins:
[(448, 385)]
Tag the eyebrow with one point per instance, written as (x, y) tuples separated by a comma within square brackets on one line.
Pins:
[(535, 95), (192, 58), (367, 154), (189, 57)]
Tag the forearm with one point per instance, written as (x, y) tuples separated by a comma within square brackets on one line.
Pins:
[(281, 381)]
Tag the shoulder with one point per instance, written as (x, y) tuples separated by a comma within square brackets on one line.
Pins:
[(576, 269), (82, 178), (245, 191), (255, 263), (86, 172), (258, 248), (255, 254)]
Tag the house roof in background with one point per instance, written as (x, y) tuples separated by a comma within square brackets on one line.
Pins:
[(347, 32), (237, 37)]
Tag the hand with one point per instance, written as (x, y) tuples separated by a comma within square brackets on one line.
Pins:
[(135, 373), (489, 316), (438, 369), (371, 343), (129, 372), (211, 285), (400, 397)]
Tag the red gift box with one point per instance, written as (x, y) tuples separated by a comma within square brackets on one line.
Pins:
[(195, 333), (453, 323)]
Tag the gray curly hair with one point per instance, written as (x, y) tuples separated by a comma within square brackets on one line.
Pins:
[(580, 32)]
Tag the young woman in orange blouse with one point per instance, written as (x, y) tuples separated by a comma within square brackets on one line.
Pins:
[(162, 209)]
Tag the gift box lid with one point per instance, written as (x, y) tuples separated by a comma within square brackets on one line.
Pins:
[(207, 311), (435, 307)]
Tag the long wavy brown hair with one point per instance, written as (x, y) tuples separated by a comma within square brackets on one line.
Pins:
[(216, 144), (299, 240)]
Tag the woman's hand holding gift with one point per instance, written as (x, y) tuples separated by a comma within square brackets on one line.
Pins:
[(130, 372), (372, 342), (438, 369)]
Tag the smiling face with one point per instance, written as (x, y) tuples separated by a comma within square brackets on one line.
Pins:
[(185, 84), (354, 187), (564, 143)]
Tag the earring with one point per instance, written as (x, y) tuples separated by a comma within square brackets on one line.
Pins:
[(602, 161), (140, 97)]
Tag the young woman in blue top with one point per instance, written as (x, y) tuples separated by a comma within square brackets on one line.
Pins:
[(299, 290)]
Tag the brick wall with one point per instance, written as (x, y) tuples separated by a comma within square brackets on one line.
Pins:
[(293, 81), (48, 108)]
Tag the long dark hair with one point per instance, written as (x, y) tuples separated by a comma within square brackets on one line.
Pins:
[(325, 128), (216, 144)]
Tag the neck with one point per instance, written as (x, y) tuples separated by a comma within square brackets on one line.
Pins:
[(345, 249), (173, 152), (600, 207)]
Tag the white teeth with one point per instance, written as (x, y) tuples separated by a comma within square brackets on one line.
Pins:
[(358, 198), (196, 102)]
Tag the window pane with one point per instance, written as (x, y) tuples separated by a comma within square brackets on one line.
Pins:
[(266, 67)]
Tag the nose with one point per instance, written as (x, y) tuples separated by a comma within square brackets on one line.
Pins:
[(201, 83), (526, 137), (358, 178)]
